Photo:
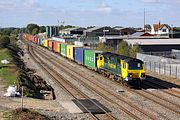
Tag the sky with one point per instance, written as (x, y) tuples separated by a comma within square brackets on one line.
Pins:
[(126, 13)]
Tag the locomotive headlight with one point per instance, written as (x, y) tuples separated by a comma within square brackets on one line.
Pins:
[(143, 75), (130, 75)]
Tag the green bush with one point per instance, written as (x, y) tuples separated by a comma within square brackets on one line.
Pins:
[(4, 41)]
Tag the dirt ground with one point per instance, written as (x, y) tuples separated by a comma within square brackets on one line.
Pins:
[(8, 103)]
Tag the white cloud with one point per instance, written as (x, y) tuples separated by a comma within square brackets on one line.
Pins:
[(4, 4), (151, 1), (104, 8), (30, 3)]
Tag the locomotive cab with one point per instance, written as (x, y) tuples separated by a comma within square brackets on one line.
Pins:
[(135, 71)]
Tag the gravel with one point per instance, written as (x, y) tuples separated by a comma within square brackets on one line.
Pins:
[(141, 101)]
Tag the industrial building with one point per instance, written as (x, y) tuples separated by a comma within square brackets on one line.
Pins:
[(155, 45), (100, 31), (52, 31)]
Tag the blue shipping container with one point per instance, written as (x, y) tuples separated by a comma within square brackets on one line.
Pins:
[(41, 41), (79, 54)]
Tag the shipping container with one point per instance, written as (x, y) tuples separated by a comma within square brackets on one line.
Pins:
[(79, 54), (45, 43), (41, 41), (90, 58), (57, 46), (51, 44), (63, 49), (38, 40), (70, 51)]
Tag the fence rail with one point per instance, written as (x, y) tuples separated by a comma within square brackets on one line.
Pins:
[(172, 70)]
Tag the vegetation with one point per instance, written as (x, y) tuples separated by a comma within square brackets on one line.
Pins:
[(134, 50), (65, 27), (4, 41), (8, 72), (103, 47), (33, 28), (128, 50), (123, 48), (24, 114)]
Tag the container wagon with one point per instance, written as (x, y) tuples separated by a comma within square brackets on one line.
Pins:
[(79, 55), (71, 51), (90, 58), (64, 49), (57, 47), (45, 43), (51, 45)]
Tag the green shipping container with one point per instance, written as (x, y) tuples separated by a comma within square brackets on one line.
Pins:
[(90, 58), (64, 49)]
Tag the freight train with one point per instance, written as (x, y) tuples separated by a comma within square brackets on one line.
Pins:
[(117, 67)]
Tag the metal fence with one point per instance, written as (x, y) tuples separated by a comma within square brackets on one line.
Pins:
[(172, 70), (161, 65)]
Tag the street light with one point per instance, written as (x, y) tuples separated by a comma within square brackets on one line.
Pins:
[(104, 31), (172, 30)]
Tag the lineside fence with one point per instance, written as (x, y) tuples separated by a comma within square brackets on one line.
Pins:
[(161, 65)]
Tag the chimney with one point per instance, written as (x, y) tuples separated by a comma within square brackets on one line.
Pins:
[(159, 25)]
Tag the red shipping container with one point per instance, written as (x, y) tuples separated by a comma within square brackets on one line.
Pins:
[(38, 40)]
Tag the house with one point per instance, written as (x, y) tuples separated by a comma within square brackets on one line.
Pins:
[(100, 31), (160, 29)]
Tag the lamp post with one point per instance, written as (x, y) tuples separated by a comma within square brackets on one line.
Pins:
[(171, 30), (104, 31)]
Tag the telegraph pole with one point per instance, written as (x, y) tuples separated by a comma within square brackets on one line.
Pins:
[(144, 18)]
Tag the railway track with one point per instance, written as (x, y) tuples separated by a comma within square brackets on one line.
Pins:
[(104, 94), (167, 90), (69, 88), (157, 99)]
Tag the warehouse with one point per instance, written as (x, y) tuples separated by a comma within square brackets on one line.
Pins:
[(156, 45), (100, 31)]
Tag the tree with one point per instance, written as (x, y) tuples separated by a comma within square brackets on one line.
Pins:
[(4, 41), (7, 32), (123, 48), (31, 27), (147, 27), (103, 47), (42, 29), (35, 31), (16, 31), (134, 50)]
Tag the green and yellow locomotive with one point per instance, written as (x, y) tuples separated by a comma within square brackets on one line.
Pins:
[(121, 68)]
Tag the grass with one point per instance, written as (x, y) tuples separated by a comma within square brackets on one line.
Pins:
[(25, 114), (8, 72)]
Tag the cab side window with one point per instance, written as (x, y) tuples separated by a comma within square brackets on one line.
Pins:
[(124, 65)]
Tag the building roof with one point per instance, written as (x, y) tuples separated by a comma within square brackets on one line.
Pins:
[(138, 34), (159, 26), (92, 29), (69, 29), (154, 41)]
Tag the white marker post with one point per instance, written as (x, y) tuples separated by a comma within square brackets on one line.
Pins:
[(22, 99)]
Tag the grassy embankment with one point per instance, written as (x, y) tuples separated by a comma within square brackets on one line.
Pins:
[(9, 72), (25, 114)]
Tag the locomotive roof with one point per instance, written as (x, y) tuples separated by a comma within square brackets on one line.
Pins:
[(127, 59)]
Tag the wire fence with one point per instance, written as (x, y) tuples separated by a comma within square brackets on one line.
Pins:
[(161, 65), (172, 70)]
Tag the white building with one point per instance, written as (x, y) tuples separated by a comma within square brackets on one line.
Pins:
[(160, 29)]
